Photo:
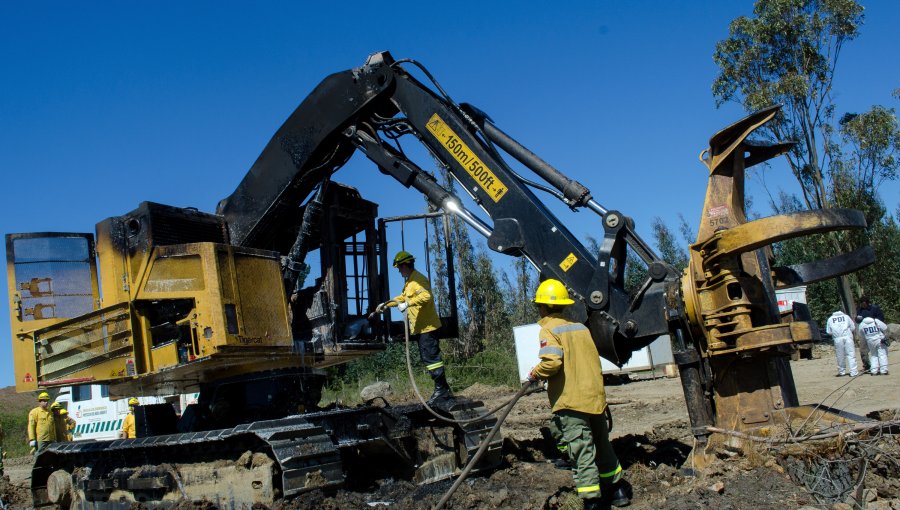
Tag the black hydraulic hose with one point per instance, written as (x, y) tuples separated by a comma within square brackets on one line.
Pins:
[(509, 404), (575, 192), (484, 444), (412, 381)]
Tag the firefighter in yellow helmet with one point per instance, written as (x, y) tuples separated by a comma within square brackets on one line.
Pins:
[(65, 424), (41, 424), (58, 421), (418, 303), (570, 364), (128, 430)]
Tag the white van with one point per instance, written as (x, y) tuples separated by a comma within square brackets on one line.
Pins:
[(98, 417)]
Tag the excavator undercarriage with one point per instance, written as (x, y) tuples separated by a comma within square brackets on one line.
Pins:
[(262, 461)]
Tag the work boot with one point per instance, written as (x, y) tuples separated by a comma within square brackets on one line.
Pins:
[(562, 464), (617, 495), (595, 504), (442, 391)]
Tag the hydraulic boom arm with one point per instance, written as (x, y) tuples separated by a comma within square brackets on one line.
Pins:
[(362, 108)]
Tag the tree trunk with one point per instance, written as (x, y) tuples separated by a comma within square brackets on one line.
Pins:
[(846, 292)]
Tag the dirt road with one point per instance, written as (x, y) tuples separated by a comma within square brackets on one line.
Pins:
[(655, 402)]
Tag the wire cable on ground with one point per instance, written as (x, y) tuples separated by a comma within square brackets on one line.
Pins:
[(434, 413), (821, 404), (812, 437), (509, 404), (484, 444)]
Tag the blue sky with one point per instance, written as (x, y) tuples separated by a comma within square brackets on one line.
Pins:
[(105, 105)]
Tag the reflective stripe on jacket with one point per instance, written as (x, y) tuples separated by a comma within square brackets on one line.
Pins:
[(422, 313), (41, 425), (571, 365)]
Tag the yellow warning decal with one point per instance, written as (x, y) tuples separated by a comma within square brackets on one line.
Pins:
[(466, 158), (568, 262)]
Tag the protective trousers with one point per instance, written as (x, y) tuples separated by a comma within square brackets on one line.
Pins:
[(845, 352), (555, 428), (878, 358), (430, 352), (590, 451)]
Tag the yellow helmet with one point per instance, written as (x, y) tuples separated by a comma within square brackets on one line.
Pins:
[(552, 292), (63, 411), (55, 405), (403, 257), (44, 396), (133, 401)]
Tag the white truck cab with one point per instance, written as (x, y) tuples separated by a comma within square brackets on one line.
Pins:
[(100, 418)]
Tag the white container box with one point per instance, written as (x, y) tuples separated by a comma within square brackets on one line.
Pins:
[(653, 357)]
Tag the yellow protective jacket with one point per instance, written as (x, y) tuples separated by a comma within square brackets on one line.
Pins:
[(128, 427), (41, 425), (64, 426), (422, 313), (571, 365)]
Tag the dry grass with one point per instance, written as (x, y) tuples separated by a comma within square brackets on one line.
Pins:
[(12, 402)]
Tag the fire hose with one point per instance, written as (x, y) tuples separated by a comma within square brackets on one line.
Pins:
[(508, 404)]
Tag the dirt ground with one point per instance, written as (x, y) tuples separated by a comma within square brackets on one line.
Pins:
[(653, 442)]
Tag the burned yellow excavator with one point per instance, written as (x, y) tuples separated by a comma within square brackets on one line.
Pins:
[(171, 300)]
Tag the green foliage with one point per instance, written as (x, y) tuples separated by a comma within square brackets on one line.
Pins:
[(881, 281), (483, 313), (872, 141), (436, 245), (520, 293), (495, 366), (346, 381), (669, 248), (787, 53), (15, 441)]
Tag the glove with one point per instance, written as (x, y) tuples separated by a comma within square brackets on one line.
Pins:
[(531, 378), (32, 443), (402, 307)]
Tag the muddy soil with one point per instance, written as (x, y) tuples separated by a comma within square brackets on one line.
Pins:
[(15, 492), (653, 442)]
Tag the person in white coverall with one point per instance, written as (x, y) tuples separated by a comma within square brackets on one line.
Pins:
[(873, 330), (840, 326)]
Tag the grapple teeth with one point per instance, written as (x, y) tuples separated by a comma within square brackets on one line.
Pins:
[(811, 272), (763, 232), (729, 287)]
